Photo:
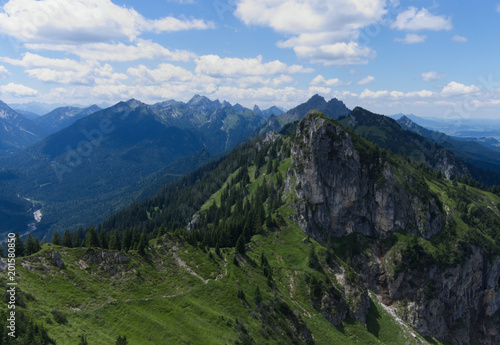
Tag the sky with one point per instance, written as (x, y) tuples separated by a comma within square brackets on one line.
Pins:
[(430, 58)]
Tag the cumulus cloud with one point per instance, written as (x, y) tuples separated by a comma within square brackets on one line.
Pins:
[(18, 90), (4, 73), (338, 54), (319, 80), (412, 39), (66, 71), (164, 73), (142, 49), (456, 89), (415, 20), (369, 79), (81, 21), (395, 94), (215, 66), (458, 38), (432, 76), (322, 32)]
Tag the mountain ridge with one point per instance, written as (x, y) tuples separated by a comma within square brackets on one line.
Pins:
[(276, 243)]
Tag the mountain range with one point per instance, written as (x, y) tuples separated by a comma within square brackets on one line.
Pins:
[(104, 160), (315, 235), (61, 118), (16, 131), (469, 151)]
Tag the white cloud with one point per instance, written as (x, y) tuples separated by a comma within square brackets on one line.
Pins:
[(319, 80), (368, 94), (81, 21), (414, 20), (373, 94), (66, 71), (338, 54), (458, 38), (4, 73), (455, 89), (164, 73), (142, 49), (18, 90), (498, 8), (412, 39), (321, 31), (369, 79), (215, 66), (432, 76)]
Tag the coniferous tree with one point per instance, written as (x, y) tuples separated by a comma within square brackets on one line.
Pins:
[(67, 241), (143, 242), (258, 296), (78, 237), (269, 168), (36, 245), (240, 245), (121, 340), (83, 340), (91, 239), (114, 241), (56, 239), (19, 246), (29, 246)]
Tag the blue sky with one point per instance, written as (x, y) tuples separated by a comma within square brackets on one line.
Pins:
[(430, 58)]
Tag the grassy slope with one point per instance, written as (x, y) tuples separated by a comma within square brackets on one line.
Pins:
[(187, 295)]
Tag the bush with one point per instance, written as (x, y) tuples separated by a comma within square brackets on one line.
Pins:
[(59, 317)]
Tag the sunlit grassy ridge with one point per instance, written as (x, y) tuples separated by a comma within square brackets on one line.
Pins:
[(183, 294)]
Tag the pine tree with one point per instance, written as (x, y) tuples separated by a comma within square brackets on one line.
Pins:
[(29, 246), (78, 236), (121, 340), (143, 242), (83, 340), (36, 245), (91, 239), (258, 296), (67, 241), (56, 239), (19, 246), (240, 245)]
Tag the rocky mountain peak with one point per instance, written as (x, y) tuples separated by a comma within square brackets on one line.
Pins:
[(202, 101), (345, 185)]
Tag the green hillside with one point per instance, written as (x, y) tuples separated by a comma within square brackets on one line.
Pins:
[(221, 257)]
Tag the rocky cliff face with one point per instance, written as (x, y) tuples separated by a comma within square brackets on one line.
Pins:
[(457, 304), (341, 191), (341, 185)]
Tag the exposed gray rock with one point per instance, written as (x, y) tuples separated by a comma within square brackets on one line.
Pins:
[(339, 192), (107, 261), (57, 259), (3, 265)]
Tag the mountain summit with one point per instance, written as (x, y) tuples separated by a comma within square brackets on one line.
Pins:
[(16, 131)]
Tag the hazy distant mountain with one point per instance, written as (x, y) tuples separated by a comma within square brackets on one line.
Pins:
[(423, 121), (488, 142), (34, 107), (469, 151), (16, 131), (95, 166), (62, 117), (27, 114), (274, 110)]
